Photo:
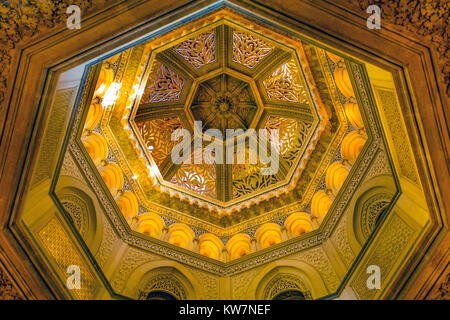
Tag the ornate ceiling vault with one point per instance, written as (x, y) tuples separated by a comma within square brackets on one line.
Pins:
[(104, 192), (225, 77)]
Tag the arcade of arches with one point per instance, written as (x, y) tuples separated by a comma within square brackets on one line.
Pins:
[(101, 191)]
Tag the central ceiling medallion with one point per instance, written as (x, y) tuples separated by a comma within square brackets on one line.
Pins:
[(224, 103)]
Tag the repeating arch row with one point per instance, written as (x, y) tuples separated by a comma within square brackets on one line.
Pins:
[(351, 146), (288, 280)]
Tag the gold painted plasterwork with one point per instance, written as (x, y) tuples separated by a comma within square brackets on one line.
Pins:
[(130, 167), (166, 283), (156, 134), (251, 183), (64, 253), (285, 84), (386, 255), (389, 104), (133, 259), (164, 84), (292, 135), (204, 279), (51, 137), (249, 50), (77, 210), (197, 178), (170, 192), (340, 239), (319, 259), (284, 282), (199, 50)]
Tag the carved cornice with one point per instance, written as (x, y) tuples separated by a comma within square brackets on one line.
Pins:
[(426, 20), (7, 289), (28, 20)]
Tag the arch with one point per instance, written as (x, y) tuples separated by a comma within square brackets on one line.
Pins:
[(320, 204), (379, 188), (351, 146), (113, 177), (342, 80), (96, 147), (94, 116), (290, 295), (162, 275), (181, 235), (268, 234), (82, 207), (299, 223), (369, 206), (128, 205), (168, 280), (371, 211), (77, 209), (354, 115), (335, 177), (285, 282), (305, 273), (165, 283), (239, 245), (211, 246), (159, 295), (151, 224)]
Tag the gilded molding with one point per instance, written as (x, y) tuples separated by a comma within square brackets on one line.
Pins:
[(425, 19)]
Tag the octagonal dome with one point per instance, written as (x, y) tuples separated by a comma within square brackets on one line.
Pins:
[(227, 79)]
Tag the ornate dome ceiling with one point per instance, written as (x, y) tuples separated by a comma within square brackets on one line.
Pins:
[(100, 188), (225, 77), (216, 76)]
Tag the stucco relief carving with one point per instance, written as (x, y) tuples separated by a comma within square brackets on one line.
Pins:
[(108, 240), (426, 19), (69, 168), (380, 166), (52, 135), (7, 290), (132, 260), (77, 210), (318, 259), (399, 136), (166, 283), (341, 242), (209, 283), (284, 282), (389, 249), (371, 210), (241, 282)]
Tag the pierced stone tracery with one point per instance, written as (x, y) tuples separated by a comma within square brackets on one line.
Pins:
[(249, 50), (163, 85), (285, 84), (199, 50)]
